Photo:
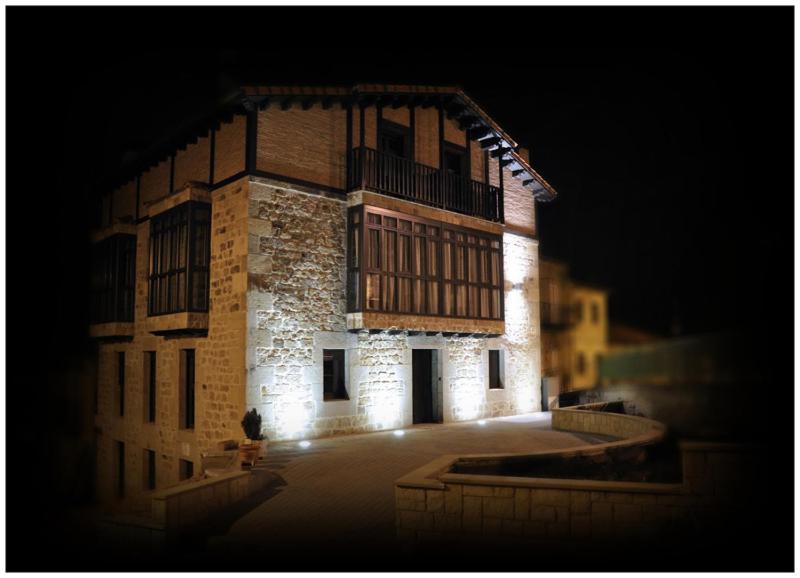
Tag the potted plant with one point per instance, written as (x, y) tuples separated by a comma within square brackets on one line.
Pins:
[(250, 449)]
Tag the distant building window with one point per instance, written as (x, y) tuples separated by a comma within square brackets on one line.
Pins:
[(578, 311), (119, 451), (113, 279), (149, 470), (150, 386), (595, 313), (495, 369), (187, 389), (186, 470), (333, 368), (180, 248), (121, 382), (580, 363)]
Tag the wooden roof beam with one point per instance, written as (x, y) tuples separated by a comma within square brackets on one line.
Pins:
[(488, 143), (499, 152)]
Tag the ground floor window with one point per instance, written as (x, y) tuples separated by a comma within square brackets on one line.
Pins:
[(333, 374), (119, 451), (495, 369)]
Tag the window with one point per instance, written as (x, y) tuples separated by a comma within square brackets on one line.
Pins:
[(180, 248), (595, 312), (333, 368), (410, 265), (113, 279), (578, 307), (393, 139), (455, 160), (119, 454), (150, 386), (496, 369), (149, 470), (121, 382), (580, 363), (186, 470), (187, 389)]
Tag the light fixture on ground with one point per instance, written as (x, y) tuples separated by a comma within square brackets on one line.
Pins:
[(304, 444), (481, 422), (399, 433)]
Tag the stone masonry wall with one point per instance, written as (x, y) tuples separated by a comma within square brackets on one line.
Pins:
[(219, 365), (296, 265)]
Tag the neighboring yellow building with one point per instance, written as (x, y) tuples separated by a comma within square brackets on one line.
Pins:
[(574, 321)]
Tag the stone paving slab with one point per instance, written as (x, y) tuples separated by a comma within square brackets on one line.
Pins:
[(341, 489)]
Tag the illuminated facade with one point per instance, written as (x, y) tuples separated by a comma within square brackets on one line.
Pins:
[(342, 260)]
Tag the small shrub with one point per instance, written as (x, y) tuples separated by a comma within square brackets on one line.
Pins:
[(251, 424)]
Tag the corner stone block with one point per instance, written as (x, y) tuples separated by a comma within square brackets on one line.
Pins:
[(580, 502), (478, 491), (498, 508), (550, 497), (522, 504), (434, 500), (452, 499)]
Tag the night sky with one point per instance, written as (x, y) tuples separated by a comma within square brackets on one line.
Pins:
[(668, 133)]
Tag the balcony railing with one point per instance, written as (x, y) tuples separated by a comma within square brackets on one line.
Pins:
[(392, 175)]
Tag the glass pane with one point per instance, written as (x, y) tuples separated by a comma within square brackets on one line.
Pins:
[(374, 249), (373, 219), (389, 284), (473, 265), (390, 246), (474, 309), (419, 228), (461, 300), (447, 261), (390, 222), (496, 304), (419, 255), (405, 254), (373, 291), (484, 264), (433, 249), (405, 295), (485, 310), (448, 303), (495, 268), (405, 225), (460, 256), (352, 290), (433, 298), (433, 231), (419, 296)]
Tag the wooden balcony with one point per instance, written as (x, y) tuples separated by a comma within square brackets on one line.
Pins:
[(399, 177)]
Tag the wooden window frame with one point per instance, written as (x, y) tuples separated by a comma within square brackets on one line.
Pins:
[(357, 273), (113, 283), (180, 245)]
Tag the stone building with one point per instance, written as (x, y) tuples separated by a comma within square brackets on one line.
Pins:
[(574, 321), (341, 259)]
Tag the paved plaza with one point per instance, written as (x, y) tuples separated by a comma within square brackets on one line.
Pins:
[(340, 491)]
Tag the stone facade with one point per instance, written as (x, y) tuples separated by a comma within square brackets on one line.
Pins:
[(278, 297)]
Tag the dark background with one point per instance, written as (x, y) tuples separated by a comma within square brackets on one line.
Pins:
[(666, 131)]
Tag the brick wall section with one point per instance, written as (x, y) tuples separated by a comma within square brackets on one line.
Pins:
[(452, 133), (124, 202), (518, 204), (426, 136), (229, 148), (154, 185), (219, 362), (303, 144), (192, 164), (399, 115), (476, 163)]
